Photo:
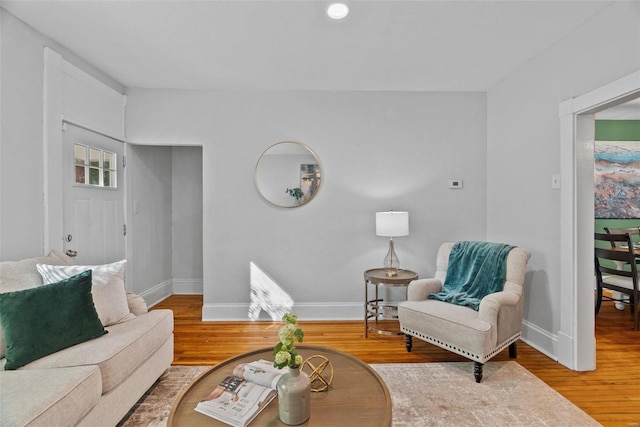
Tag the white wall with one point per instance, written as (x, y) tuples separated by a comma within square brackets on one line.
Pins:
[(23, 184), (523, 135), (186, 190), (22, 181), (149, 199), (21, 175), (379, 151)]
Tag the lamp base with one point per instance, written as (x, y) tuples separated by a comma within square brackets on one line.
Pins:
[(391, 261)]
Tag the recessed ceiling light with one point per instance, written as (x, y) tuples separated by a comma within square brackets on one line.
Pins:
[(337, 10)]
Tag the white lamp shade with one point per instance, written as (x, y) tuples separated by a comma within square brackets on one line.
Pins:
[(392, 224)]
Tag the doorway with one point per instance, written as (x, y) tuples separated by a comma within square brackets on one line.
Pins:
[(576, 339), (165, 217), (617, 133)]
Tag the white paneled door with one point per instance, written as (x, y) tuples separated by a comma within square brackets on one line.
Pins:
[(93, 205)]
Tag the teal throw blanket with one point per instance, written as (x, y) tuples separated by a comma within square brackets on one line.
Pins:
[(476, 269)]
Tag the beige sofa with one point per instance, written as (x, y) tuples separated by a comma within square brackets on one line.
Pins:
[(93, 383)]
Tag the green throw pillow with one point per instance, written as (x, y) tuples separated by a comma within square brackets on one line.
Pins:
[(42, 320)]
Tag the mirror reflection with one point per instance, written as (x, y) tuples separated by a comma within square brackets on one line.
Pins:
[(288, 174)]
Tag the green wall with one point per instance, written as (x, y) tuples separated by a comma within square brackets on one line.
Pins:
[(617, 130), (616, 223)]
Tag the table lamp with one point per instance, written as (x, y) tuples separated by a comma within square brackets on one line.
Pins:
[(392, 224)]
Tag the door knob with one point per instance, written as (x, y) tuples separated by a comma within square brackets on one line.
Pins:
[(71, 253)]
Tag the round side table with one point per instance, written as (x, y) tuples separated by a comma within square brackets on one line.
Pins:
[(376, 308)]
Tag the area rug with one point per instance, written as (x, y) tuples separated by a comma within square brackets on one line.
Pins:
[(422, 394), (152, 410), (446, 394)]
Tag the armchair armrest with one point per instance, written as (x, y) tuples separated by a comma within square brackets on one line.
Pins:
[(419, 289), (490, 305), (137, 304)]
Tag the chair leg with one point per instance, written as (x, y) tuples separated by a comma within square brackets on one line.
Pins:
[(513, 350), (477, 371), (408, 342)]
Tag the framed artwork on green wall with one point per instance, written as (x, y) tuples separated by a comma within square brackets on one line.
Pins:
[(617, 179)]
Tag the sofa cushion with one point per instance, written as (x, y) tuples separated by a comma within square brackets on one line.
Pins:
[(48, 397), (42, 320), (137, 304), (18, 275), (118, 353), (109, 294), (22, 274)]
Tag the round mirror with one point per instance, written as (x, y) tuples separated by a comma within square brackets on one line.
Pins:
[(288, 174)]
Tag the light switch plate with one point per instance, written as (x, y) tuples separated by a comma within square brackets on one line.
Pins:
[(455, 183)]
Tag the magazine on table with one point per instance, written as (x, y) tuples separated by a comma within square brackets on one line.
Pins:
[(240, 397)]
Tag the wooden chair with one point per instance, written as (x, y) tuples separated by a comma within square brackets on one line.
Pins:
[(633, 232), (619, 251)]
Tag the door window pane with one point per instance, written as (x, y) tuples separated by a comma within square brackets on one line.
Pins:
[(80, 175), (109, 160), (95, 167), (94, 157), (80, 154), (94, 176)]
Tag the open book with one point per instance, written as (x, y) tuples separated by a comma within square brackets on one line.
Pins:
[(240, 397)]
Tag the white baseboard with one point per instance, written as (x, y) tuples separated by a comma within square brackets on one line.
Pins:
[(157, 293), (305, 311), (188, 286), (565, 350), (543, 341), (167, 288)]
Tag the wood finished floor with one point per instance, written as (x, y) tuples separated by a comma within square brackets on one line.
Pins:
[(610, 394)]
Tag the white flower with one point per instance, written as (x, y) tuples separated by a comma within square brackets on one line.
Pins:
[(282, 357), (285, 353), (286, 334), (290, 318)]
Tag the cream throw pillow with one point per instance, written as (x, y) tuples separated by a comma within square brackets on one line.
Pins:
[(107, 287)]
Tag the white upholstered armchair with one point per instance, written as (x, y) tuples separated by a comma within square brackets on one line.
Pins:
[(476, 335)]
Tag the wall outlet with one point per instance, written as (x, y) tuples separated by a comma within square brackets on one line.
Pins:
[(455, 183)]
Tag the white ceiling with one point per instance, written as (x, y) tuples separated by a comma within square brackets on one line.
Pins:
[(292, 45), (628, 111)]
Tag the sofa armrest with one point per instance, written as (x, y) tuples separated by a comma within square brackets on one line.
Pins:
[(490, 305), (137, 304), (419, 289)]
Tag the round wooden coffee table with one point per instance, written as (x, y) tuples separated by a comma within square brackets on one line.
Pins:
[(358, 396)]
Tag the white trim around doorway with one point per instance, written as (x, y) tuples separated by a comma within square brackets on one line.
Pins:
[(576, 338)]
